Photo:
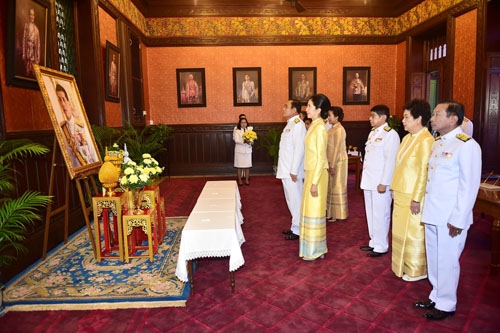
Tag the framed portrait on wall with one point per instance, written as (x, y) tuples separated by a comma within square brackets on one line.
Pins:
[(112, 72), (301, 83), (356, 85), (247, 86), (191, 90), (27, 39), (69, 119)]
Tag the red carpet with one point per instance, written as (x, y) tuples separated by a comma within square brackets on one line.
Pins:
[(277, 291)]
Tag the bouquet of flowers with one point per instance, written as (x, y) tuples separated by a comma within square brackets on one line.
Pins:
[(151, 166), (134, 176), (249, 136)]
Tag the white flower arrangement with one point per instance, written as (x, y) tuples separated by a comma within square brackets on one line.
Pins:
[(151, 166), (134, 176)]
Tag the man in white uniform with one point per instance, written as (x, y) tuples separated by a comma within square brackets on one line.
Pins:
[(291, 164), (454, 176), (378, 168)]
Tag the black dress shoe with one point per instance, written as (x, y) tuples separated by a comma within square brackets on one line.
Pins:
[(374, 254), (292, 237), (436, 314), (427, 304), (287, 232), (366, 248)]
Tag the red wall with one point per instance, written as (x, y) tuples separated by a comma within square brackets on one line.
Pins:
[(387, 79), (464, 69), (107, 32)]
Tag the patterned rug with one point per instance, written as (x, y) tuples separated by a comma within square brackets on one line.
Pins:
[(71, 279)]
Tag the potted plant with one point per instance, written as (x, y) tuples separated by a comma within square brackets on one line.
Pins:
[(16, 213), (270, 141), (149, 140), (105, 137)]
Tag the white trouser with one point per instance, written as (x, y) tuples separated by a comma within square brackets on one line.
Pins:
[(293, 196), (378, 218), (443, 266)]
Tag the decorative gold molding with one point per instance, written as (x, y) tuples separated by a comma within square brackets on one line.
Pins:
[(275, 29)]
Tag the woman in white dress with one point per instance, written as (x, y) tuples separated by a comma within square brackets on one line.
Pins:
[(242, 151)]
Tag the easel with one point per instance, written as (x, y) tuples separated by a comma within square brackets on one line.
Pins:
[(81, 178)]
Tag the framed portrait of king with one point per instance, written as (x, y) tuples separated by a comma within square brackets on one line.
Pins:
[(27, 40), (71, 125)]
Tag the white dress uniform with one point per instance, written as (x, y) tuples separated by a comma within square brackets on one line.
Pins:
[(291, 161), (467, 126), (242, 150), (378, 167), (454, 176)]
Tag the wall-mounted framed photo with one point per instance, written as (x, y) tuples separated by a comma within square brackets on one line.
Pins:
[(301, 83), (27, 39), (70, 122), (191, 90), (247, 86), (112, 72), (356, 85)]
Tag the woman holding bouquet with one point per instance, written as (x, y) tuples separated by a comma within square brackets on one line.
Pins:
[(242, 151)]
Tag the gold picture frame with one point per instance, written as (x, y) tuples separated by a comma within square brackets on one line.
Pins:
[(74, 134)]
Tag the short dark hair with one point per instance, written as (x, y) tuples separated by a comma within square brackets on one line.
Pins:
[(419, 108), (295, 104), (322, 102), (338, 112), (381, 110), (60, 88), (455, 108)]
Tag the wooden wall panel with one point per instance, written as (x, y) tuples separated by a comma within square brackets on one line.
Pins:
[(209, 150)]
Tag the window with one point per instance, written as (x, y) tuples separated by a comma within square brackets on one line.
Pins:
[(65, 36)]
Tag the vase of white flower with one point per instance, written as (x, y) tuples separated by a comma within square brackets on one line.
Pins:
[(134, 200), (134, 179)]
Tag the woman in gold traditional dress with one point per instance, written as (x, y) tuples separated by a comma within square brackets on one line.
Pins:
[(408, 188), (312, 217), (336, 154)]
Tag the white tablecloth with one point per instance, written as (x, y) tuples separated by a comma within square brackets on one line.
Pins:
[(213, 228)]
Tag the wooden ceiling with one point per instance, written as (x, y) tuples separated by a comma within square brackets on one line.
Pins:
[(235, 8)]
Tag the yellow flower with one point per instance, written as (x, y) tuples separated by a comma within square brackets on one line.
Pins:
[(249, 137)]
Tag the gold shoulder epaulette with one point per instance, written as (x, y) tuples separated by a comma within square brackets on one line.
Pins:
[(387, 128), (437, 138), (463, 137), (297, 120)]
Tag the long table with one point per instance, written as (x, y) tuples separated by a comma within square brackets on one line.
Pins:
[(213, 229)]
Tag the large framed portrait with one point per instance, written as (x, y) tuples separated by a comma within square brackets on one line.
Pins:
[(112, 72), (69, 119), (191, 90), (247, 86), (27, 39), (301, 83), (356, 85)]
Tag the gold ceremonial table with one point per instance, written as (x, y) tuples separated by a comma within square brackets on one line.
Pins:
[(488, 202)]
